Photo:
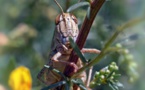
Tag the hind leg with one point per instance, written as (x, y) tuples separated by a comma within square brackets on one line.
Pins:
[(90, 50), (56, 60)]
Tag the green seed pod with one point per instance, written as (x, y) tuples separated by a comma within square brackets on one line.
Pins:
[(102, 72), (116, 68), (107, 72), (97, 74), (118, 45), (129, 57), (111, 67), (113, 63), (125, 51), (102, 76)]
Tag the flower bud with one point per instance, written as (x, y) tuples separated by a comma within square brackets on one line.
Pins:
[(107, 71), (118, 45)]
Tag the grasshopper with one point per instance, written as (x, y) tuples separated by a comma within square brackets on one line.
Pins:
[(66, 27)]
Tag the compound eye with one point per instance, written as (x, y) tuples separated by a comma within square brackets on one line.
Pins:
[(74, 18), (57, 19)]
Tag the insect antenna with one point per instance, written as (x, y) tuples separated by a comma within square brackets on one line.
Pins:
[(59, 6)]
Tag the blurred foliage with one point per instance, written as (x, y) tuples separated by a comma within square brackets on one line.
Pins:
[(26, 29)]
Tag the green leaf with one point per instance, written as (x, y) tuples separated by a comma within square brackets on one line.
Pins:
[(117, 75), (77, 81), (88, 13), (75, 6), (82, 87), (119, 84), (110, 85), (77, 50), (54, 85), (113, 86), (80, 83), (55, 70)]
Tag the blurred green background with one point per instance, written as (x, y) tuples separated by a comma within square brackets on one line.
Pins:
[(27, 26)]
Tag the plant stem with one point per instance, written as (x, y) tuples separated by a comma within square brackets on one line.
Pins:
[(95, 7)]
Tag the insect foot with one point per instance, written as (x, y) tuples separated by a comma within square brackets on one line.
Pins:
[(74, 68)]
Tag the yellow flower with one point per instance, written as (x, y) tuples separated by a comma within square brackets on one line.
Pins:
[(20, 79)]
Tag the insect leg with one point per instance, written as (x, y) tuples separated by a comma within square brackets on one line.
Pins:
[(44, 69), (56, 56), (90, 50), (55, 59)]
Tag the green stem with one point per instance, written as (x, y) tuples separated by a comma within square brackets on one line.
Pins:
[(109, 42)]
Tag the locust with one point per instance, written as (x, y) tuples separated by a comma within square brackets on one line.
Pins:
[(66, 27)]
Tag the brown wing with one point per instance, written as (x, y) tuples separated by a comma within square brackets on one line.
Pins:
[(45, 75)]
